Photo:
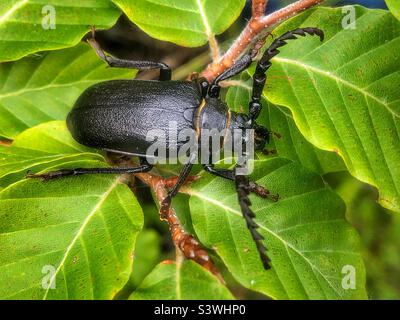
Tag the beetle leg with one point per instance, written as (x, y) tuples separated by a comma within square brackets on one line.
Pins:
[(223, 173), (165, 70), (264, 64), (238, 67), (166, 203), (183, 176), (230, 175), (243, 190), (144, 167)]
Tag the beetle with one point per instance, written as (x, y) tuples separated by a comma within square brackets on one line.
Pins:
[(116, 115)]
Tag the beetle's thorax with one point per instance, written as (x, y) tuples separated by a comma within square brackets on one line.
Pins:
[(212, 114)]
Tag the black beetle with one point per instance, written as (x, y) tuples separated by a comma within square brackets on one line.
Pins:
[(116, 115)]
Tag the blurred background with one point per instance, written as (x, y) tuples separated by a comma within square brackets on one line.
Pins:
[(379, 228)]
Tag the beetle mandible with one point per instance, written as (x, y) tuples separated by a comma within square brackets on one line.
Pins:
[(116, 115)]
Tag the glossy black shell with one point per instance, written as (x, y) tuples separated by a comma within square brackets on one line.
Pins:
[(117, 115)]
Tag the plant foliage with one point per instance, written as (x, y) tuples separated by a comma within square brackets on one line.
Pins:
[(333, 106)]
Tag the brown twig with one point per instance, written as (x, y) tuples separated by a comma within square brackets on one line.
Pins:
[(257, 24), (258, 7), (182, 240), (186, 243)]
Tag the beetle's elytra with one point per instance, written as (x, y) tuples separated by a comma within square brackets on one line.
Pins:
[(155, 105), (116, 116)]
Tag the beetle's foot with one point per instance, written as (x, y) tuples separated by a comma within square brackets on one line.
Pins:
[(276, 134), (274, 197), (262, 192), (51, 174)]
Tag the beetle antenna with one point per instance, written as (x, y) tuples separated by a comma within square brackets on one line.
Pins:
[(265, 63), (243, 188)]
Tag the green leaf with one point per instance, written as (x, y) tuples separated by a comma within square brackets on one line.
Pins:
[(36, 90), (344, 93), (307, 236), (290, 143), (38, 148), (188, 281), (380, 233), (394, 7), (187, 23), (147, 255), (78, 231), (21, 24)]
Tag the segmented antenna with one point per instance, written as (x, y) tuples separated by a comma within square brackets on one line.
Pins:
[(272, 51), (243, 188)]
